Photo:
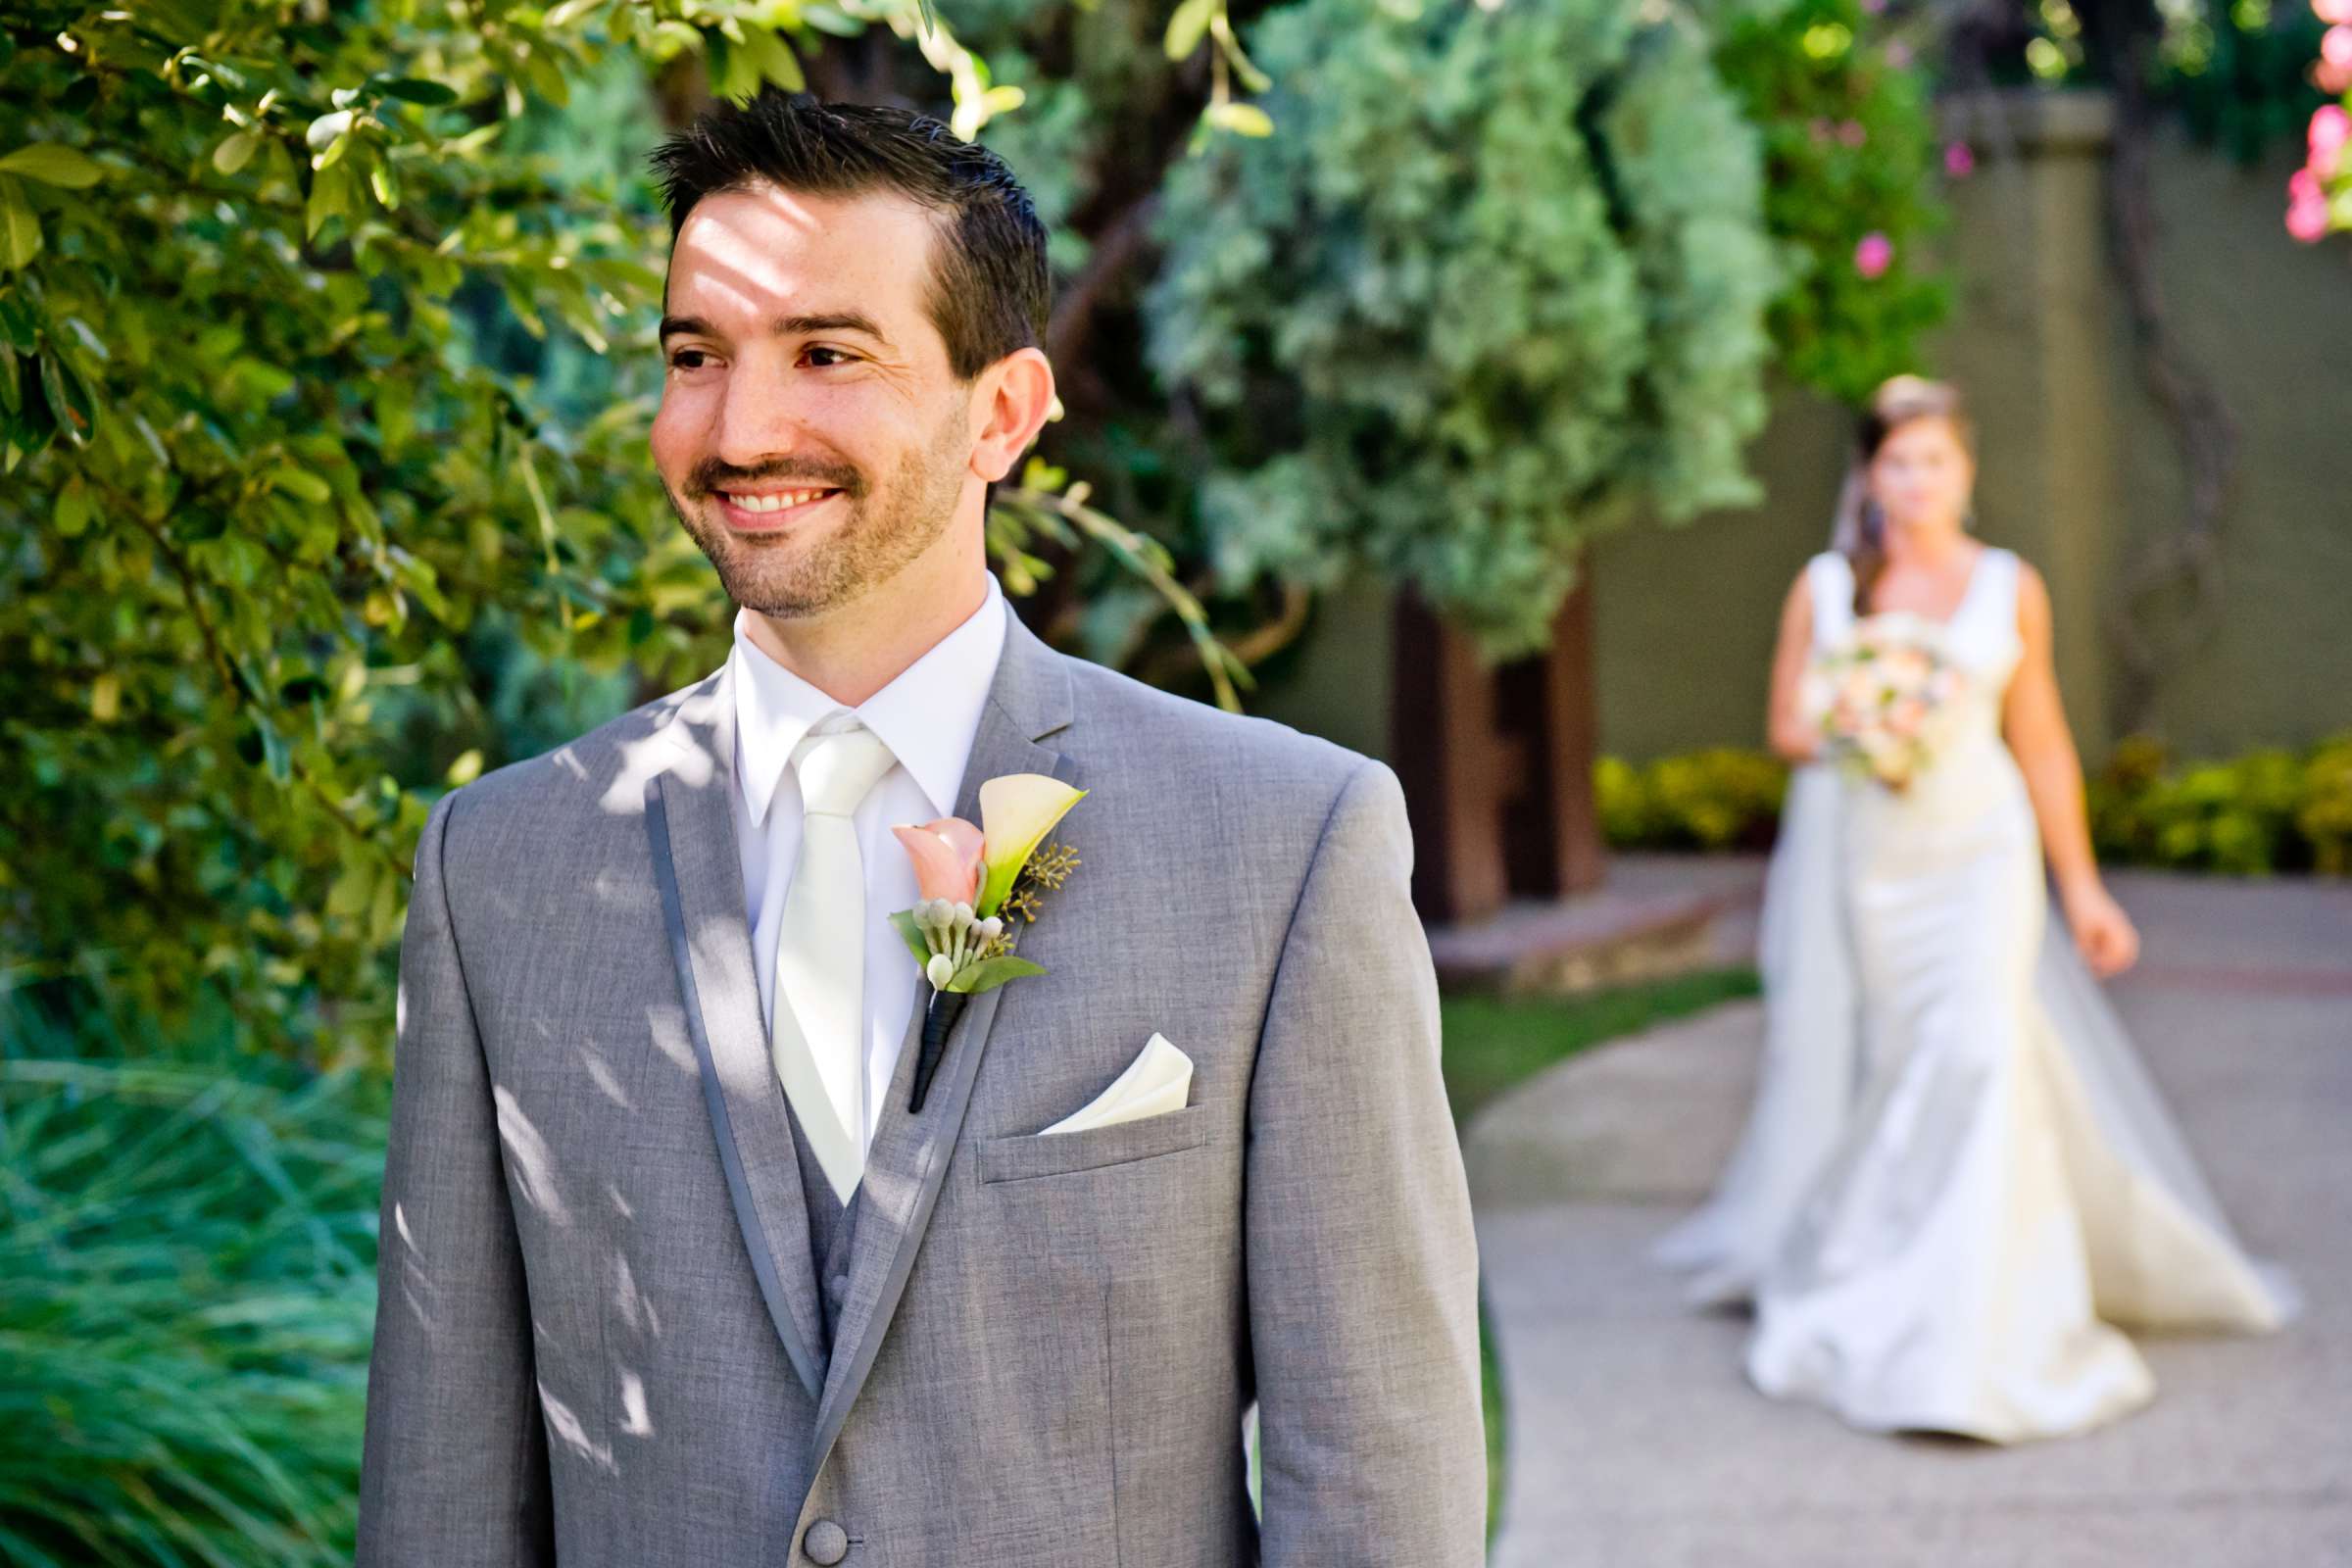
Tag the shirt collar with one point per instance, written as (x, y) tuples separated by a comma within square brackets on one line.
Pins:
[(928, 715)]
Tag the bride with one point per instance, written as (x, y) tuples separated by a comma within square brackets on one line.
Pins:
[(1956, 1178)]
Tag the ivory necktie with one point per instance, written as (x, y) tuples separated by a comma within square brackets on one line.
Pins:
[(817, 1021)]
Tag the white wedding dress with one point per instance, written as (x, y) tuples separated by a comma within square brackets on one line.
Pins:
[(1957, 1176)]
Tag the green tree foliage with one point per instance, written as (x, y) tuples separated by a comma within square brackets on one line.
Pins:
[(1849, 160), (266, 498), (1497, 282)]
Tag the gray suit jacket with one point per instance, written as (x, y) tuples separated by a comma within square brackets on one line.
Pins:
[(598, 1335)]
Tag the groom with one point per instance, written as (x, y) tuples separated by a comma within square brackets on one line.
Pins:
[(672, 1271)]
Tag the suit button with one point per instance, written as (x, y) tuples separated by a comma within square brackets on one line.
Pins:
[(826, 1543), (839, 1288)]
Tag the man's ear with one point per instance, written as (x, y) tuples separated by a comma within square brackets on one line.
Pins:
[(1015, 397)]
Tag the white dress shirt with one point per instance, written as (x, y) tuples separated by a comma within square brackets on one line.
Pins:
[(928, 716)]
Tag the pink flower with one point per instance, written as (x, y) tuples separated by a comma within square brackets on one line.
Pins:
[(2330, 128), (1874, 254), (2332, 78), (1850, 132), (946, 856), (1959, 161), (2307, 222), (2332, 10), (2336, 45), (1876, 8), (2303, 188)]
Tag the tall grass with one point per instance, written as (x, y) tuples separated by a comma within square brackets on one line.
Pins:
[(187, 1252)]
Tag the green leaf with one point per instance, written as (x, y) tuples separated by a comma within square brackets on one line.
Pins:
[(72, 514), (352, 889), (911, 934), (16, 320), (69, 400), (53, 163), (990, 973), (774, 59), (1243, 120), (832, 19), (275, 754), (331, 197), (19, 227), (326, 128), (1188, 26), (237, 151), (433, 94), (302, 484)]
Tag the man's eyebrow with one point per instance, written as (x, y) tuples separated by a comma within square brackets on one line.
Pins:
[(782, 325)]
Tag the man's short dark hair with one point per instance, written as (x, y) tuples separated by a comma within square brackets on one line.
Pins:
[(990, 287)]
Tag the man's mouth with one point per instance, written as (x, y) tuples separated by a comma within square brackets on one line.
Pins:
[(770, 509)]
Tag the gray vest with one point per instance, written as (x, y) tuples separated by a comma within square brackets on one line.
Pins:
[(830, 1225)]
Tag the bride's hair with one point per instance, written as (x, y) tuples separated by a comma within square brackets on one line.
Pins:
[(1861, 531)]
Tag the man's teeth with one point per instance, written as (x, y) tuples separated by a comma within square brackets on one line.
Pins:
[(778, 501)]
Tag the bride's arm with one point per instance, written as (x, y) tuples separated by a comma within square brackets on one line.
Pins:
[(2034, 723), (1785, 725)]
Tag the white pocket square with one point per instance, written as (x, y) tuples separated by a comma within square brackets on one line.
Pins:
[(1156, 1082)]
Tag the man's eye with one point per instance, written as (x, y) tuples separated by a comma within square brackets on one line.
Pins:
[(688, 360), (836, 355)]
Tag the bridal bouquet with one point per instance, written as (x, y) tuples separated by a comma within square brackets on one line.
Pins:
[(1884, 699)]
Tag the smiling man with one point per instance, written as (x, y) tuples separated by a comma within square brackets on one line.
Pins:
[(698, 1245)]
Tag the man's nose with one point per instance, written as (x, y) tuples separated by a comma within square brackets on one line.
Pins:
[(762, 416)]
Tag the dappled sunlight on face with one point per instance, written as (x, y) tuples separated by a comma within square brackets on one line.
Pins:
[(800, 357)]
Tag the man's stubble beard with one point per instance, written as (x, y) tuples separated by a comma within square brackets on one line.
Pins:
[(887, 529)]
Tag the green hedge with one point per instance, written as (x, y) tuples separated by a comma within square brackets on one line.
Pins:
[(1721, 799), (2269, 810)]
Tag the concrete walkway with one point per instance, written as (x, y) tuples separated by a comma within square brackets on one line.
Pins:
[(1634, 1441)]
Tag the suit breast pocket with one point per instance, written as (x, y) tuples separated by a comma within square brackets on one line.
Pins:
[(1029, 1157)]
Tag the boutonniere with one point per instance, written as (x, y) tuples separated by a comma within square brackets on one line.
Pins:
[(979, 887)]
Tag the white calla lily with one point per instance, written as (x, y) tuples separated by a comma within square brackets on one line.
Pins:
[(1016, 812)]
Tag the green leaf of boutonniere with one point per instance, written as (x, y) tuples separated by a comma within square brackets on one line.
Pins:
[(904, 924), (990, 973)]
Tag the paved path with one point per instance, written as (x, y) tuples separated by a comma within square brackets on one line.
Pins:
[(1634, 1441)]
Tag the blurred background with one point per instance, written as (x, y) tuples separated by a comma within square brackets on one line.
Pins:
[(1464, 381)]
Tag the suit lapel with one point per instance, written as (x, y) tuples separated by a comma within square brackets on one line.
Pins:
[(1029, 699), (690, 817)]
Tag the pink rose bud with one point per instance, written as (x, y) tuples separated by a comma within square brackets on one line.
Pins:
[(2336, 45), (2330, 128), (2303, 188), (2332, 10), (2332, 78), (947, 856), (2308, 222), (1874, 254), (1958, 161)]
